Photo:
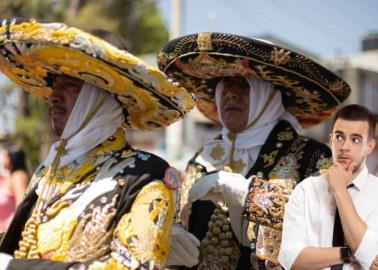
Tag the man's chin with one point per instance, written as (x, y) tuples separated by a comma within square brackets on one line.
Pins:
[(344, 163), (58, 130)]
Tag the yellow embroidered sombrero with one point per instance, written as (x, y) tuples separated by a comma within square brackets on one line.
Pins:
[(309, 91), (31, 52)]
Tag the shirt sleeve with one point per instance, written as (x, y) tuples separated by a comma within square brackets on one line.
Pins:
[(140, 241), (293, 233), (367, 251)]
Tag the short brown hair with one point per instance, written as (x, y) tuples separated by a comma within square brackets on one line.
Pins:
[(356, 112)]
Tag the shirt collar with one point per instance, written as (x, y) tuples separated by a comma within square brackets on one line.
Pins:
[(360, 179)]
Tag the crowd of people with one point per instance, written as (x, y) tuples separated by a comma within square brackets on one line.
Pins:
[(258, 196)]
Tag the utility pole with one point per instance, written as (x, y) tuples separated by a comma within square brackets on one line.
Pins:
[(174, 133)]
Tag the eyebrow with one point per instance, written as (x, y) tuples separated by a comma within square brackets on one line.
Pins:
[(353, 134)]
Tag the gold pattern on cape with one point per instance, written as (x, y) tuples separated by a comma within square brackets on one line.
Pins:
[(92, 235), (280, 56), (238, 165), (204, 41), (285, 135), (217, 152), (64, 178), (269, 158), (145, 231)]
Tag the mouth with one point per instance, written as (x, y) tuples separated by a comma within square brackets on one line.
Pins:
[(57, 111), (232, 108), (343, 158)]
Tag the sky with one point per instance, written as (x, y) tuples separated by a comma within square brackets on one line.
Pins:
[(327, 28)]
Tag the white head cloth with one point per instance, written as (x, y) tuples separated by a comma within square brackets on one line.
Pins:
[(102, 125), (249, 142)]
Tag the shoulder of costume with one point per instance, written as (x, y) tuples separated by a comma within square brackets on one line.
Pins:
[(143, 162), (314, 145), (201, 161)]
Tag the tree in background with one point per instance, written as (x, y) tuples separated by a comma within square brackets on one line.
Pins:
[(137, 21)]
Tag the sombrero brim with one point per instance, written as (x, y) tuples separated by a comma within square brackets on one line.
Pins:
[(309, 91), (30, 52)]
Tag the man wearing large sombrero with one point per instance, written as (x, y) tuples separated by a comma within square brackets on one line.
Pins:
[(94, 202), (262, 95)]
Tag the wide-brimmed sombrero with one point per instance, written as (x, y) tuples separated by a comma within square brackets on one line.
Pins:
[(309, 91), (31, 52)]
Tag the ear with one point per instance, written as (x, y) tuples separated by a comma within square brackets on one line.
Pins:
[(330, 139), (370, 146)]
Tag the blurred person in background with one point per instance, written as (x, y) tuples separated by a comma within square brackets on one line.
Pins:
[(13, 184), (372, 159)]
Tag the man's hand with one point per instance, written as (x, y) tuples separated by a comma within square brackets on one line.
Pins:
[(4, 260), (338, 177), (231, 188), (183, 249)]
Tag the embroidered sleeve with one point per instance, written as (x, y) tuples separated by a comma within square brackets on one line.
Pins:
[(140, 240), (142, 236)]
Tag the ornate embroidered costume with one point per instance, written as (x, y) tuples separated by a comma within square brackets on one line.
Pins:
[(94, 203), (286, 156), (286, 90), (111, 211)]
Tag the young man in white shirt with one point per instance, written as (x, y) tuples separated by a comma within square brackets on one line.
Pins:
[(343, 201)]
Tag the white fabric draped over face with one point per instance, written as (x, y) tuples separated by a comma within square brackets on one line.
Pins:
[(101, 126), (249, 142)]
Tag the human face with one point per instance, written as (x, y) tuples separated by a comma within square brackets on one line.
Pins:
[(350, 143), (62, 100), (234, 103)]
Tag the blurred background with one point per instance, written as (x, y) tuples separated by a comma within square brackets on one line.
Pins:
[(342, 35)]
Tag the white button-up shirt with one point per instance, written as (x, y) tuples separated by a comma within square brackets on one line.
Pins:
[(310, 216)]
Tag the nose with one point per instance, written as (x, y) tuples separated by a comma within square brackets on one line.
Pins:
[(231, 93), (345, 146), (56, 97)]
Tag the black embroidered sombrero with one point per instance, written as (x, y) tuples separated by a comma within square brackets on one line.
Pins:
[(31, 52), (309, 91)]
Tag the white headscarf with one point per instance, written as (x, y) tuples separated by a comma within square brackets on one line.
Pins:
[(249, 142), (102, 125)]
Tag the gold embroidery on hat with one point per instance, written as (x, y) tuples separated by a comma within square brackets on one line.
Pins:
[(280, 57), (204, 41)]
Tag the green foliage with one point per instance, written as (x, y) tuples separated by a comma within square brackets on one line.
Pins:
[(33, 131), (137, 21)]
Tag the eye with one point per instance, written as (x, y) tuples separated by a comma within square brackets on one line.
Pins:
[(356, 140), (338, 137)]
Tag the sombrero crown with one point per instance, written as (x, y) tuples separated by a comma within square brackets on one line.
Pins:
[(309, 91), (32, 52)]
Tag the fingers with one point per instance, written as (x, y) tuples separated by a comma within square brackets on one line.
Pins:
[(202, 187), (351, 167), (184, 248)]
